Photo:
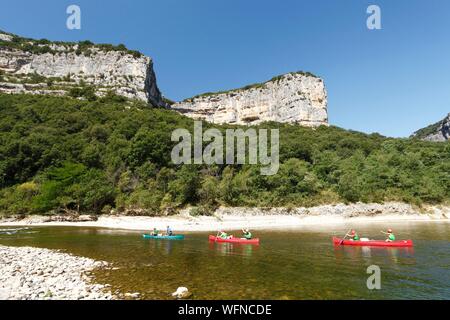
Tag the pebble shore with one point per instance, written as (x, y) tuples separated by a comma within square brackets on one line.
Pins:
[(41, 274), (225, 218)]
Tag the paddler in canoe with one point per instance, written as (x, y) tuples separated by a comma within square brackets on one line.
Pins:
[(224, 235), (353, 236), (390, 235), (389, 242), (155, 232), (169, 231), (247, 234)]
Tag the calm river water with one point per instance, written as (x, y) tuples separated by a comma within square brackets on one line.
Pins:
[(294, 264)]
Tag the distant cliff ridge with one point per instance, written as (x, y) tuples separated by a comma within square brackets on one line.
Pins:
[(439, 131), (44, 67), (85, 70), (295, 97)]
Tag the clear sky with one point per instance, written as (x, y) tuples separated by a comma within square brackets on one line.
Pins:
[(392, 81)]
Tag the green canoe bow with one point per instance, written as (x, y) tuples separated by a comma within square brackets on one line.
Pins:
[(174, 237)]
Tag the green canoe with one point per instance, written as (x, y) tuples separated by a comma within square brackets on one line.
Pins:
[(174, 237)]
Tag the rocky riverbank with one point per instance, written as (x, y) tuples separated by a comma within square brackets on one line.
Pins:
[(42, 274), (254, 218)]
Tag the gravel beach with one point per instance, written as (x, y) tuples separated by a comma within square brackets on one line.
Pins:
[(41, 274), (254, 218)]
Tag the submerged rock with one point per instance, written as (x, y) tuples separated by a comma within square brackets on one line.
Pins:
[(135, 295), (182, 293)]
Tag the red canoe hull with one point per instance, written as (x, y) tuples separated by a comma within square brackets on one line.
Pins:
[(234, 240), (373, 243)]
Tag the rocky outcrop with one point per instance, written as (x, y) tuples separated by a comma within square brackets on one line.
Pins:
[(42, 67), (439, 131), (341, 210), (291, 98), (5, 37)]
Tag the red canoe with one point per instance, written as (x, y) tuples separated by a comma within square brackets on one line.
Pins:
[(234, 240), (373, 243)]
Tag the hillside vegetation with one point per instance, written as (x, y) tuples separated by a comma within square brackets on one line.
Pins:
[(62, 154)]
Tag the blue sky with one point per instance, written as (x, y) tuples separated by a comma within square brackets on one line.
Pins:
[(392, 81)]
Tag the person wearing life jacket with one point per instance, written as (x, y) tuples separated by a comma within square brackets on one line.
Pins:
[(247, 234), (390, 236), (169, 231), (223, 235), (155, 232), (353, 235)]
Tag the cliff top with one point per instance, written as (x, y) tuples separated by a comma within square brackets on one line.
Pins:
[(252, 86), (81, 69), (41, 46)]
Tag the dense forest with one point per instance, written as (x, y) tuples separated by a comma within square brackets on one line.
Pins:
[(63, 154)]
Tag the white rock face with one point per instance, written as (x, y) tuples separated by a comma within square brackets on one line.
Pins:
[(119, 71), (443, 132), (292, 98), (5, 37), (17, 88), (439, 133)]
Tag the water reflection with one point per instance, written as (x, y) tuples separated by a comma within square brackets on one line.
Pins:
[(366, 252), (228, 249), (371, 254), (102, 231), (296, 265), (162, 246)]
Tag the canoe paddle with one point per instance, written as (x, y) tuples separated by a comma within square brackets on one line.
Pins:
[(342, 241)]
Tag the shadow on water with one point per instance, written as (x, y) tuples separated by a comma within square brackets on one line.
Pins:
[(295, 264)]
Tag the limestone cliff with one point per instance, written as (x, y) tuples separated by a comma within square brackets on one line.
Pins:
[(439, 131), (296, 97), (44, 67), (61, 68)]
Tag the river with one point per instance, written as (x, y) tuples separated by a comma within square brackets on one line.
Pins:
[(288, 264)]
